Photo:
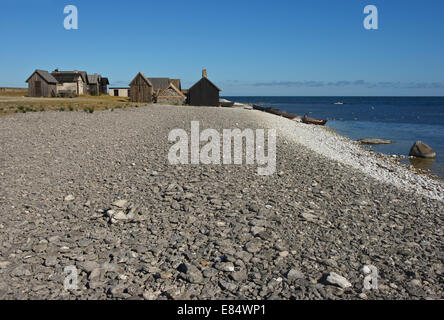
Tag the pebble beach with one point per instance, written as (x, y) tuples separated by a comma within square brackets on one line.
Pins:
[(96, 191)]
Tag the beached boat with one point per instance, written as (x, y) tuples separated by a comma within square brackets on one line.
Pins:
[(289, 115), (226, 103), (273, 111), (308, 120), (256, 107)]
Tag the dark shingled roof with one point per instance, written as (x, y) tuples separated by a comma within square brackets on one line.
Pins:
[(45, 75), (177, 83), (84, 76), (104, 81), (159, 83), (93, 78), (69, 76)]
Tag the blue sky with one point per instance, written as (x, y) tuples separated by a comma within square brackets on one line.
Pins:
[(306, 47)]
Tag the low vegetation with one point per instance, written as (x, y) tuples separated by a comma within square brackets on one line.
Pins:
[(17, 102), (14, 93)]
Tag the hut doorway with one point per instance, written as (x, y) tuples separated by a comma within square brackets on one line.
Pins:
[(38, 88)]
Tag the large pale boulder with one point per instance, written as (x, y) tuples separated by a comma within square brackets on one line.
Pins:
[(421, 150)]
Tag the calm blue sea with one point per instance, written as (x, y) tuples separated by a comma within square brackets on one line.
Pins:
[(402, 119)]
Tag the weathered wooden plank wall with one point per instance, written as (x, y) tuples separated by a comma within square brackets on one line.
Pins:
[(140, 91), (38, 87), (203, 94)]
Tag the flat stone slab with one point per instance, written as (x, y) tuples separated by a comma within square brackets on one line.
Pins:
[(374, 141)]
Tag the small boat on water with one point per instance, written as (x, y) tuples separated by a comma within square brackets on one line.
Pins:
[(308, 120)]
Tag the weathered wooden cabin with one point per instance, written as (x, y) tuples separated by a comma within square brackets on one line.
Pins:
[(94, 81), (204, 92), (104, 83), (141, 89), (171, 95), (97, 84), (71, 81), (42, 84)]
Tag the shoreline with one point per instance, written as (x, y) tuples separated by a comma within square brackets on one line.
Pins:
[(379, 163), (329, 143), (96, 191), (408, 121)]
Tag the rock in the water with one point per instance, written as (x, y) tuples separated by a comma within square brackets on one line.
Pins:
[(374, 141), (336, 279), (421, 150)]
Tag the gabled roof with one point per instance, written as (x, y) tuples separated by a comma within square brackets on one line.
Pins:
[(143, 77), (45, 75), (176, 83), (205, 79), (172, 86), (69, 76), (160, 83), (93, 78), (104, 81), (84, 76)]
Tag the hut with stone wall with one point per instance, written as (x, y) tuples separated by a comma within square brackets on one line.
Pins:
[(171, 95)]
